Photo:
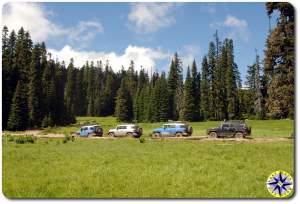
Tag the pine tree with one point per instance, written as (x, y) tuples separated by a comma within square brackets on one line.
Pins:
[(231, 83), (35, 97), (60, 110), (188, 98), (254, 83), (98, 89), (222, 94), (20, 70), (171, 90), (70, 94), (212, 79), (159, 100), (280, 61), (123, 104), (205, 90), (46, 81), (80, 94), (131, 79), (175, 88), (23, 55), (218, 84), (109, 92), (18, 117), (196, 78), (91, 91), (6, 76)]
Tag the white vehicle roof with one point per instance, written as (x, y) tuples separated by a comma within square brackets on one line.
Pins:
[(175, 124), (90, 126), (127, 125)]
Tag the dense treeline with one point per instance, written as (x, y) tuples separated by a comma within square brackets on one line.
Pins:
[(39, 91), (33, 86)]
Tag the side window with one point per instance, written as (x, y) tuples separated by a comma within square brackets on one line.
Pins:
[(84, 129), (172, 126), (225, 126), (121, 127)]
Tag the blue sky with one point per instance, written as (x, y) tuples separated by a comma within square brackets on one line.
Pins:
[(146, 33)]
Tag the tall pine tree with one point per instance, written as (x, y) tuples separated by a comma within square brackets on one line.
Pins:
[(188, 98), (35, 104), (124, 111)]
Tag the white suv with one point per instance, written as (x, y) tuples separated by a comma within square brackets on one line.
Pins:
[(129, 130)]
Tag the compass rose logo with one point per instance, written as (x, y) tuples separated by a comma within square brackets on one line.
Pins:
[(280, 184)]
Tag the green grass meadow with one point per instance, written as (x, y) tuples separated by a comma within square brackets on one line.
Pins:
[(126, 168), (276, 128)]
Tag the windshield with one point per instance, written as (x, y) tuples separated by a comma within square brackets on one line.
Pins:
[(169, 126)]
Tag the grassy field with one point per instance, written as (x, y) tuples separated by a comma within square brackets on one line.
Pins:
[(276, 128), (106, 168)]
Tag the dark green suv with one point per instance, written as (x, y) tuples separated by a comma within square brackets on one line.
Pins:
[(233, 128)]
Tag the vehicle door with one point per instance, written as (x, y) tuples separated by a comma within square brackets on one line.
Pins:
[(83, 131), (121, 130), (172, 130), (91, 130), (227, 130), (166, 130)]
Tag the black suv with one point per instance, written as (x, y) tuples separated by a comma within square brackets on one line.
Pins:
[(237, 129)]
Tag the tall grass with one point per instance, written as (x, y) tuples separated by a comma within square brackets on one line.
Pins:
[(155, 169)]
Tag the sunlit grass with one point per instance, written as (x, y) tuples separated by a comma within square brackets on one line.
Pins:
[(125, 168)]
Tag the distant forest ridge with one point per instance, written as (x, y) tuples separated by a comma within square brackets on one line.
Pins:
[(40, 92)]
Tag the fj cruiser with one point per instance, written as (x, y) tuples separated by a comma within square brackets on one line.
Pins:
[(90, 130), (176, 129), (237, 129), (126, 130)]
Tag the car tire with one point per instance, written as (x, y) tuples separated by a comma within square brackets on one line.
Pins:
[(190, 130), (111, 134), (178, 134), (129, 134), (239, 135), (213, 135), (140, 131), (157, 135)]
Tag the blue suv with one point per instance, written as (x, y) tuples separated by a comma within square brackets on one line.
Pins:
[(176, 129), (90, 130)]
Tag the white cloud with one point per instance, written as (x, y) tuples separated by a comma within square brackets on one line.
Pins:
[(232, 21), (238, 27), (142, 56), (35, 18), (32, 17), (84, 32), (149, 17)]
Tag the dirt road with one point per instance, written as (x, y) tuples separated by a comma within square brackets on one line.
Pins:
[(38, 133)]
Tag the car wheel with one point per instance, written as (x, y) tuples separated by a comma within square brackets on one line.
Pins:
[(179, 134), (213, 135), (129, 134), (190, 130), (157, 134), (111, 134), (239, 135)]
